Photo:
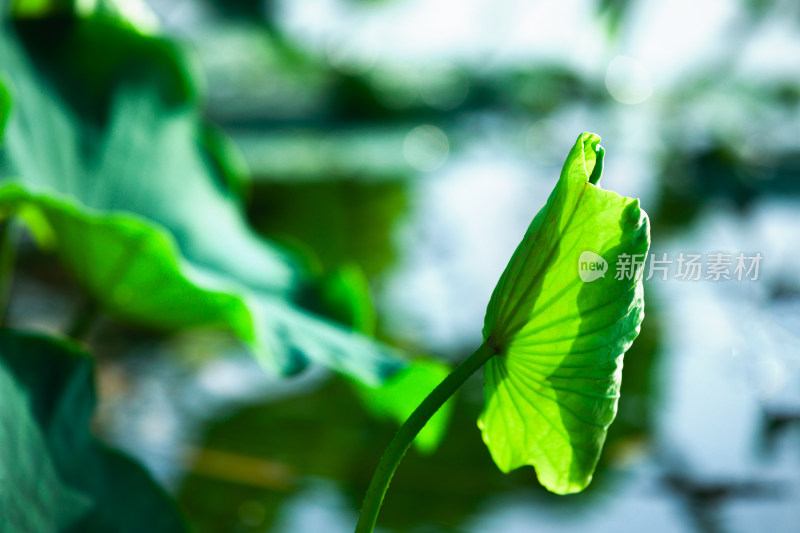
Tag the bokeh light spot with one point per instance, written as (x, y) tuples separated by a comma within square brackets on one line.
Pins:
[(426, 148), (628, 81)]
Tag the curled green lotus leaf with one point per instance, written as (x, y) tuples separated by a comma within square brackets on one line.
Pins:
[(122, 178), (560, 321)]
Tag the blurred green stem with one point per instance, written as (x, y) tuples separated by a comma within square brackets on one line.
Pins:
[(84, 319), (405, 435), (8, 256)]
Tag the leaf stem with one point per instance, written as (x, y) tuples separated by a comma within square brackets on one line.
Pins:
[(85, 317), (405, 435), (8, 256)]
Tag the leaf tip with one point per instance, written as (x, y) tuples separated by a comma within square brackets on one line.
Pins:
[(588, 153)]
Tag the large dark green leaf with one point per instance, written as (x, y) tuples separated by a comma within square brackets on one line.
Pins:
[(56, 476), (552, 391), (117, 174)]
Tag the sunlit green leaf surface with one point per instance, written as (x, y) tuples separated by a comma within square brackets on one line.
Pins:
[(56, 475), (552, 391), (142, 203), (120, 256)]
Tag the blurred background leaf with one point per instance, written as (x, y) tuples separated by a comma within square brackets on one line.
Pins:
[(57, 476), (131, 141)]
